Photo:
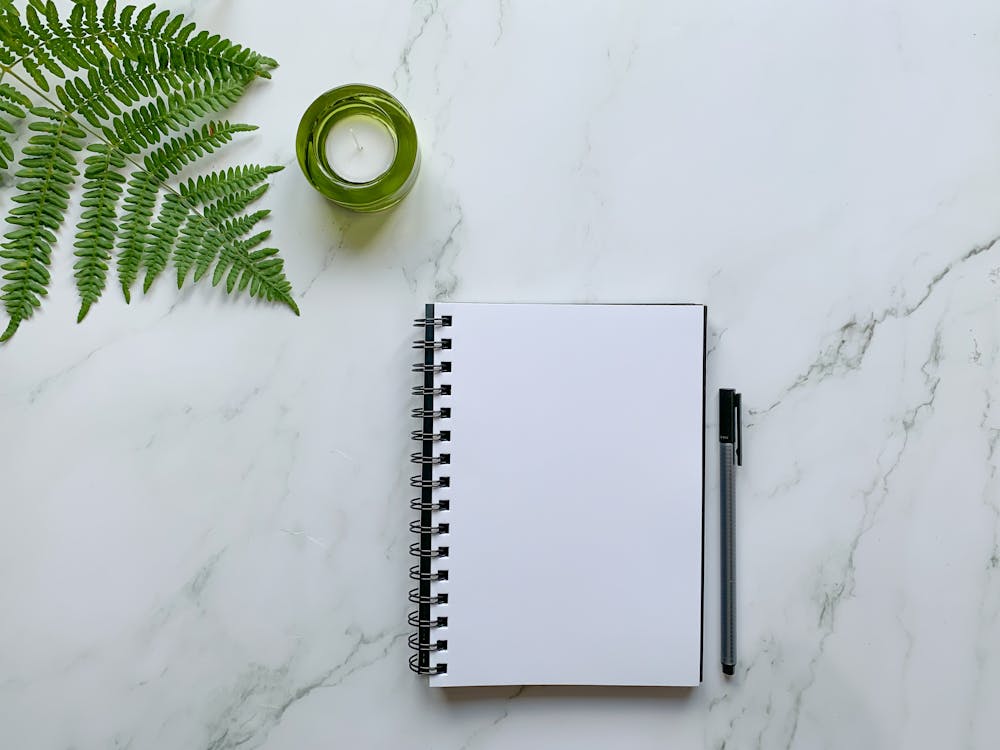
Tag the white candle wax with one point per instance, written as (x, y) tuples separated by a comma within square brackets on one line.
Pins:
[(360, 148)]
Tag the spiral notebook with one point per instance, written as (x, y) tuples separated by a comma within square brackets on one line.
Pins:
[(560, 516)]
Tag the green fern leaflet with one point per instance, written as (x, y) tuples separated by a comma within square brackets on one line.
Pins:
[(125, 99)]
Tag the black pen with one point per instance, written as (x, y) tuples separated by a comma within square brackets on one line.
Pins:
[(730, 455)]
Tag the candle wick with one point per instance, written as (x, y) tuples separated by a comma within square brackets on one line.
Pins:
[(356, 141)]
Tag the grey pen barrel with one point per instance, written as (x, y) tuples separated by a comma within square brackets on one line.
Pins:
[(728, 524)]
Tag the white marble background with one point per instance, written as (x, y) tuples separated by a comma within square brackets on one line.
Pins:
[(203, 539)]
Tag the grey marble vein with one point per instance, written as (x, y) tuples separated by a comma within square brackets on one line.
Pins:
[(853, 338), (426, 10)]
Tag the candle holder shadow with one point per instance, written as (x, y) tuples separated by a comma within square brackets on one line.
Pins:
[(359, 231), (335, 106)]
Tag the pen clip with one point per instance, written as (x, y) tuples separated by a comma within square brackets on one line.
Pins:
[(737, 403)]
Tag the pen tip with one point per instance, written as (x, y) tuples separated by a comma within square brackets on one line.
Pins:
[(728, 669)]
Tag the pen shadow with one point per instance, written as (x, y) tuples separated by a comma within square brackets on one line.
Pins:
[(557, 693)]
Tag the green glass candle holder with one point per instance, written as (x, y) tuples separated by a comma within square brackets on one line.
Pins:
[(374, 109)]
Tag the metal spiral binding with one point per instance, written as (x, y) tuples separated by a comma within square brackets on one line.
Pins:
[(442, 390), (431, 368), (426, 527)]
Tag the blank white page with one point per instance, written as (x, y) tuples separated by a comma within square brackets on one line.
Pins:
[(576, 487)]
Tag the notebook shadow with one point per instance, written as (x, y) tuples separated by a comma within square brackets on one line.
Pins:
[(555, 693)]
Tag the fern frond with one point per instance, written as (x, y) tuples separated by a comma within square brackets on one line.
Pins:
[(232, 205), (142, 192), (147, 125), (43, 20), (7, 55), (176, 153), (95, 237), (230, 191), (12, 108), (189, 247), (260, 270), (113, 84), (163, 236), (222, 235), (140, 200), (137, 236), (48, 171), (199, 242), (26, 47), (45, 45), (133, 80), (217, 236), (167, 39), (226, 182)]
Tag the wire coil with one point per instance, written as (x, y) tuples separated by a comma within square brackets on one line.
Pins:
[(417, 551), (432, 345), (418, 664), (442, 413), (433, 369), (418, 575), (429, 482), (417, 503), (420, 390), (431, 436), (416, 622), (444, 320)]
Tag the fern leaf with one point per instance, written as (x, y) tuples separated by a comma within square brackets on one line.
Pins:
[(166, 39), (47, 173), (113, 84), (260, 270), (146, 126), (176, 153), (202, 235), (231, 190), (85, 27), (163, 237), (138, 77), (19, 42), (188, 246), (12, 108), (231, 205), (46, 46), (43, 19), (222, 236), (227, 267), (8, 18), (227, 182), (95, 237), (140, 200), (106, 86), (137, 234)]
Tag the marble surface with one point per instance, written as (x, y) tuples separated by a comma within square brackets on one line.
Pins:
[(204, 530)]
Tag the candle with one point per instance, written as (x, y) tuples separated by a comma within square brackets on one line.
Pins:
[(359, 148), (357, 145)]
